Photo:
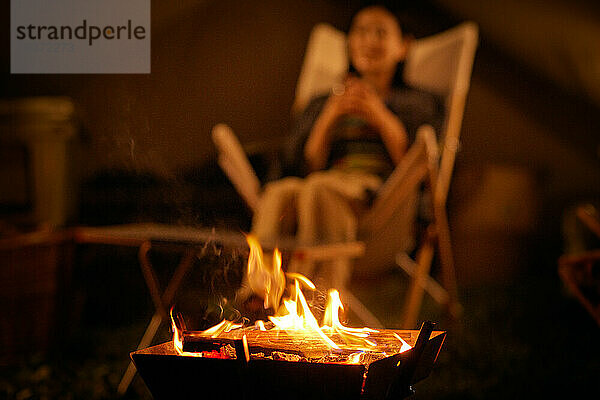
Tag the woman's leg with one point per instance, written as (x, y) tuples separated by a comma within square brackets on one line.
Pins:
[(325, 206), (277, 197), (326, 215)]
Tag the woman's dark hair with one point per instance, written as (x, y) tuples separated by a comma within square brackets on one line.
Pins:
[(398, 78)]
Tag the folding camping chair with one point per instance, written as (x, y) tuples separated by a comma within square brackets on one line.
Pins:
[(441, 64)]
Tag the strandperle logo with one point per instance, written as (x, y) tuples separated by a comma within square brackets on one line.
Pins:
[(85, 36), (81, 32)]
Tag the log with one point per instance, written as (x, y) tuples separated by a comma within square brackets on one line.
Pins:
[(310, 346)]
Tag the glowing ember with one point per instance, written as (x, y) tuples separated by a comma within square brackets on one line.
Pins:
[(177, 341), (292, 313)]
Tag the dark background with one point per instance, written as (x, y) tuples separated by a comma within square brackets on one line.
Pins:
[(238, 62), (529, 153)]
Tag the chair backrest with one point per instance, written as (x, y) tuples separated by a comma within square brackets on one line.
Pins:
[(441, 63), (325, 64)]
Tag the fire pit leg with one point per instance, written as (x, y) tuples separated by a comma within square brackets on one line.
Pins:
[(401, 387), (161, 302), (145, 342)]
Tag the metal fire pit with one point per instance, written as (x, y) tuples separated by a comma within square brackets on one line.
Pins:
[(169, 375)]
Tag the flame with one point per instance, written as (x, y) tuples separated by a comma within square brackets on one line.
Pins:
[(405, 346), (267, 281), (293, 314), (223, 326), (260, 325), (296, 316), (357, 336), (177, 340), (355, 358)]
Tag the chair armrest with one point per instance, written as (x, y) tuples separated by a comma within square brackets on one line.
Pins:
[(235, 164), (404, 180)]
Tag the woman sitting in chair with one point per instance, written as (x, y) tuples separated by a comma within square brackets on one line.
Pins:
[(349, 141)]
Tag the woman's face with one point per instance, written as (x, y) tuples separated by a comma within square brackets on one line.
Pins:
[(375, 42)]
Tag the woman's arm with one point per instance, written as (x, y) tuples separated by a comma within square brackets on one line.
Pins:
[(360, 99), (370, 106), (316, 150), (393, 133), (317, 147)]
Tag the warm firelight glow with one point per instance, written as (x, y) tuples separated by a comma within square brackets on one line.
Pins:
[(177, 341), (331, 321), (405, 346), (223, 326), (260, 325), (295, 316), (292, 313), (266, 280)]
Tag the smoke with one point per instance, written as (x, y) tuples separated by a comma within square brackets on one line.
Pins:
[(208, 292)]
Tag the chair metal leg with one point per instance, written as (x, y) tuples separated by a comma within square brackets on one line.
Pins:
[(150, 278), (447, 262), (342, 271), (435, 290), (416, 290), (440, 233), (360, 309), (447, 294)]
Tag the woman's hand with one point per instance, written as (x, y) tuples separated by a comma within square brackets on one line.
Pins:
[(317, 147), (361, 99), (355, 98)]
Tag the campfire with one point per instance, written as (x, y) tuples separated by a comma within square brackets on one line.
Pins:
[(290, 348)]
